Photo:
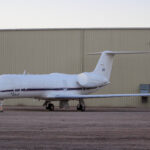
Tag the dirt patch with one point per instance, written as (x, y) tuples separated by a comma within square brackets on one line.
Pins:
[(28, 128)]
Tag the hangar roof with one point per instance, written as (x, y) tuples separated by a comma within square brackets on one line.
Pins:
[(102, 28)]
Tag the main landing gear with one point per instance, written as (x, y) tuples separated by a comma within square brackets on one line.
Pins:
[(49, 106), (64, 104), (81, 105)]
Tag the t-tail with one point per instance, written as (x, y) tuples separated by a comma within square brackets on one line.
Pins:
[(104, 65)]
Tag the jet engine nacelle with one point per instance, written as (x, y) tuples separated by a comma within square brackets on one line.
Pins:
[(88, 79)]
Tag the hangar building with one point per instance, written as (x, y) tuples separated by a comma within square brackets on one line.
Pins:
[(40, 51)]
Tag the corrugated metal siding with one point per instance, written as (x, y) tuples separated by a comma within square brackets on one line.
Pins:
[(65, 50)]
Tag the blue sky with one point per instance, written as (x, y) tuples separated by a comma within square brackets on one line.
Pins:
[(74, 13)]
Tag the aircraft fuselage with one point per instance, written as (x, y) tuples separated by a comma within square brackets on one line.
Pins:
[(38, 86)]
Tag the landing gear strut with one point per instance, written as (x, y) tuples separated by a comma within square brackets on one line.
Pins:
[(81, 105), (1, 105), (49, 106)]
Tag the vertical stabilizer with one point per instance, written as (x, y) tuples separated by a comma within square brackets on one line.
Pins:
[(104, 65)]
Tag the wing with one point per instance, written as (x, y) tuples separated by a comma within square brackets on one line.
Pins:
[(96, 96)]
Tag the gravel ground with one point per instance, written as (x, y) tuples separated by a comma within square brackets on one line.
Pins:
[(33, 128)]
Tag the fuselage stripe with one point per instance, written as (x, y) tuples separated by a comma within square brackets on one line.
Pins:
[(50, 89)]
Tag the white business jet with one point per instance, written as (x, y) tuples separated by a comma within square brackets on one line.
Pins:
[(63, 87)]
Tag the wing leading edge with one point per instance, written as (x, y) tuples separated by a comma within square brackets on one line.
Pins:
[(97, 96)]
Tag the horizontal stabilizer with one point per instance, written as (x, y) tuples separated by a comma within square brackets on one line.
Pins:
[(119, 52)]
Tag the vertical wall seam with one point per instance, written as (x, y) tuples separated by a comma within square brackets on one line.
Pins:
[(82, 49)]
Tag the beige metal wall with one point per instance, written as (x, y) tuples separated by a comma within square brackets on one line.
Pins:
[(65, 50)]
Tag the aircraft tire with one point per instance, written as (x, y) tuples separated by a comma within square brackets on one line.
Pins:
[(80, 107), (50, 107)]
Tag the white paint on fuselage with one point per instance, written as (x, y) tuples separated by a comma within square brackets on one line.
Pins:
[(38, 86), (54, 80)]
